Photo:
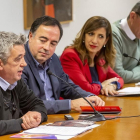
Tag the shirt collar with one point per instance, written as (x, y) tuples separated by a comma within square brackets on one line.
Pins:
[(37, 63), (5, 85), (124, 25)]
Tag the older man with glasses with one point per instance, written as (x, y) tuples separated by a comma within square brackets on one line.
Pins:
[(126, 39)]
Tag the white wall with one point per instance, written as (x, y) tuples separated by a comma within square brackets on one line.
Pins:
[(11, 16)]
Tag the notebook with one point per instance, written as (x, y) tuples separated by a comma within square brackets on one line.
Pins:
[(129, 91)]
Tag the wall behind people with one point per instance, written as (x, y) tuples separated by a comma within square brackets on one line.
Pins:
[(11, 16)]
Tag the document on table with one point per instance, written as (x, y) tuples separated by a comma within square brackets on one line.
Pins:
[(40, 136), (129, 91), (59, 130)]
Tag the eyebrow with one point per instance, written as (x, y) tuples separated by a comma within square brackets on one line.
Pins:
[(102, 34), (47, 39), (18, 56)]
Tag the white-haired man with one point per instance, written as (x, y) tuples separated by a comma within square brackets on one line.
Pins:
[(19, 107)]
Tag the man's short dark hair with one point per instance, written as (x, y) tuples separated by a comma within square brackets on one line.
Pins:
[(136, 8), (47, 21)]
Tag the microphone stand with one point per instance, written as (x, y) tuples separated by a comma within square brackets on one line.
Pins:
[(126, 55), (97, 116)]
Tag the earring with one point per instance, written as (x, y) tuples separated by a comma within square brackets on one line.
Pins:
[(83, 41), (104, 46)]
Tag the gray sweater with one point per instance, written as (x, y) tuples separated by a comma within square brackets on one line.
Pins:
[(126, 67)]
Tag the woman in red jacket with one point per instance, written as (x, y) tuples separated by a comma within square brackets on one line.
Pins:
[(89, 60)]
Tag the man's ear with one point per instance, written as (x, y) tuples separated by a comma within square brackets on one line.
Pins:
[(30, 36), (132, 15), (1, 65), (132, 19)]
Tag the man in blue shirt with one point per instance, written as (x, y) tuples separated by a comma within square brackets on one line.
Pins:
[(44, 35)]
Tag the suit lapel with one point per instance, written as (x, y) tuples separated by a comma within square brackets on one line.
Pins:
[(54, 81), (31, 64), (36, 75), (101, 73), (100, 70), (87, 72)]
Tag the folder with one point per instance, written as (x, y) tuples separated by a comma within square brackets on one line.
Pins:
[(101, 109)]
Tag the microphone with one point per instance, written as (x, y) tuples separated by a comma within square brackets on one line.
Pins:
[(126, 55), (97, 116)]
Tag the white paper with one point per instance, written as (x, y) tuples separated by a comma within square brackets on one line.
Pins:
[(137, 84), (129, 91), (63, 137), (57, 136), (59, 130)]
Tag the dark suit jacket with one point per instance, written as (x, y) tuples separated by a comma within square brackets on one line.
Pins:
[(25, 101), (31, 77)]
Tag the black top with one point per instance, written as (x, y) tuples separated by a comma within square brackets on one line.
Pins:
[(94, 74), (25, 101)]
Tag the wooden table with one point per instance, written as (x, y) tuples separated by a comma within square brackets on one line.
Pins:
[(118, 129)]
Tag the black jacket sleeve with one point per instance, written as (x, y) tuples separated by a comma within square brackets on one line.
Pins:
[(29, 102), (10, 126)]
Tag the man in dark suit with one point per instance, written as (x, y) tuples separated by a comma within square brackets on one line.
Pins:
[(44, 35), (19, 107)]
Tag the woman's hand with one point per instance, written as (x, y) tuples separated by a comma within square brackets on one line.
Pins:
[(107, 82), (109, 89)]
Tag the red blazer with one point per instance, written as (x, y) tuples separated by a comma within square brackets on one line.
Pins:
[(80, 74)]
